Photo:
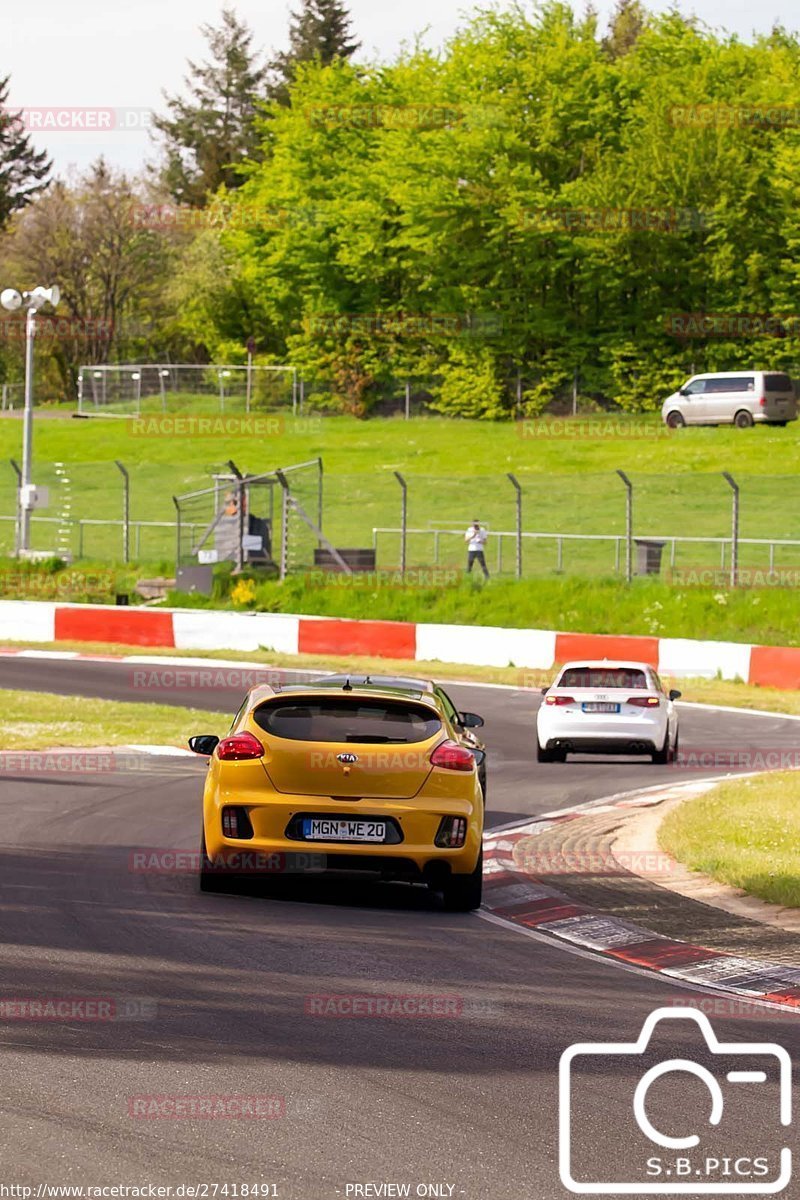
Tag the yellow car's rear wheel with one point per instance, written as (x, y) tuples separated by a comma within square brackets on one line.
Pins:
[(463, 893), (213, 879)]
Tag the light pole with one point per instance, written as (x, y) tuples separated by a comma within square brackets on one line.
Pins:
[(32, 302)]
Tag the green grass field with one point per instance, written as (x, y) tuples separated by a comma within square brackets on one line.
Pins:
[(745, 833), (40, 721), (455, 470)]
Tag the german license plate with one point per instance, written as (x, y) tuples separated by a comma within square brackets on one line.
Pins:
[(600, 706), (339, 830)]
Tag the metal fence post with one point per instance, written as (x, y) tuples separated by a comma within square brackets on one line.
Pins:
[(126, 511), (18, 521), (403, 520), (734, 526), (319, 498), (284, 559), (628, 525), (240, 504), (177, 534), (515, 482)]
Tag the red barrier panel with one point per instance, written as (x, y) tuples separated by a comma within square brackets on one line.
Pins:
[(384, 639), (570, 646), (775, 666), (129, 626)]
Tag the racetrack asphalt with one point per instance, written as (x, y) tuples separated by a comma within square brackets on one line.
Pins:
[(222, 991)]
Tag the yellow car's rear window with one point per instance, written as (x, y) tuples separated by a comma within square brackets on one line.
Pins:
[(340, 719)]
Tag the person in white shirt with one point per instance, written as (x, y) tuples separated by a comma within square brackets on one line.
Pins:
[(475, 537)]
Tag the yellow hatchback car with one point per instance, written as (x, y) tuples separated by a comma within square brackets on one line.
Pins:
[(352, 778)]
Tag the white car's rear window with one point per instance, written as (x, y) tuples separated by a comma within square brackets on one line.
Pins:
[(603, 677)]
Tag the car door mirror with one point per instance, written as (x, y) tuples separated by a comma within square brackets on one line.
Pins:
[(545, 690), (204, 743), (480, 756), (675, 694), (469, 720)]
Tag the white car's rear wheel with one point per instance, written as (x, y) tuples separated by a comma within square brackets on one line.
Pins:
[(667, 753)]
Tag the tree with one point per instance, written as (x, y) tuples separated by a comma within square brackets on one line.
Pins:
[(319, 32), (521, 206), (23, 170), (625, 28), (209, 135), (88, 237)]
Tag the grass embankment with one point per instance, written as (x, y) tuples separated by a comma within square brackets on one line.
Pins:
[(566, 469), (41, 721), (648, 607), (745, 833), (730, 693)]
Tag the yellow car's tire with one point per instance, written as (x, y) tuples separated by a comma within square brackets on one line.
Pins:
[(463, 893), (211, 879)]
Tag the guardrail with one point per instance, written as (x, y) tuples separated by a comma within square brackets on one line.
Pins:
[(619, 542)]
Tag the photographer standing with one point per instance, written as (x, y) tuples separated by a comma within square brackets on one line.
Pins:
[(475, 537)]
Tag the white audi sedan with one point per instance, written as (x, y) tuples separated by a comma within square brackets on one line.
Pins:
[(607, 707)]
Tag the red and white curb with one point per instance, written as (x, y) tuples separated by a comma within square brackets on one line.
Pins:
[(482, 645), (526, 902)]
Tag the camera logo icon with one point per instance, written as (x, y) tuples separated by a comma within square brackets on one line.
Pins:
[(677, 1141)]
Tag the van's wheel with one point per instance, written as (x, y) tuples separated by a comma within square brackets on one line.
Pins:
[(675, 420), (743, 419), (463, 893)]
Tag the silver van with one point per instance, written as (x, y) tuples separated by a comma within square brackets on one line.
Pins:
[(736, 398)]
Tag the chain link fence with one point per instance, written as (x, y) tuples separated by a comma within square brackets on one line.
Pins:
[(142, 389), (537, 524)]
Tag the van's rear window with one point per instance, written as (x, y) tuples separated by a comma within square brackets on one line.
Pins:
[(337, 719), (603, 677), (778, 383)]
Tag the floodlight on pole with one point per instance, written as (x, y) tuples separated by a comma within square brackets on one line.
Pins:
[(12, 300)]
